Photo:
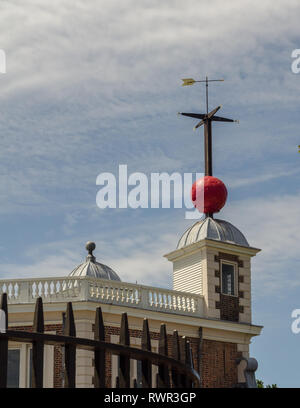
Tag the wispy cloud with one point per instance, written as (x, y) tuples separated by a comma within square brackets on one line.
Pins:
[(89, 86), (261, 178)]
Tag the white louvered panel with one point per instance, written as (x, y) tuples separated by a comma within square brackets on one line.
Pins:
[(188, 286), (187, 275)]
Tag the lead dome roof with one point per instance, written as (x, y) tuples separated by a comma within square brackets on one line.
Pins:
[(215, 229), (94, 269)]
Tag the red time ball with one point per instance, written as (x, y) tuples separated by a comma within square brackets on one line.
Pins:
[(209, 194)]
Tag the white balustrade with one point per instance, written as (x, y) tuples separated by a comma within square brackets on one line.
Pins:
[(103, 291)]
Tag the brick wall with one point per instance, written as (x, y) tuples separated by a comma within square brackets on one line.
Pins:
[(219, 369), (230, 307)]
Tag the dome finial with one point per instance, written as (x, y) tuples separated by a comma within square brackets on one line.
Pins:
[(90, 247)]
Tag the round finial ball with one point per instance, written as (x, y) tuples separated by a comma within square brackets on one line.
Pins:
[(209, 194), (90, 246)]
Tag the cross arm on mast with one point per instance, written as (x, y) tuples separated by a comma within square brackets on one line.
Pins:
[(220, 119), (206, 120), (205, 117), (210, 116), (193, 115)]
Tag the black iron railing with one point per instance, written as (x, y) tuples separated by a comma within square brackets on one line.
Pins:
[(175, 372)]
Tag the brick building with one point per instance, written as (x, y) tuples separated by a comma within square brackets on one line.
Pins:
[(210, 304)]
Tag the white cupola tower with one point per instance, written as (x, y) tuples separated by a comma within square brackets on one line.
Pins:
[(213, 259)]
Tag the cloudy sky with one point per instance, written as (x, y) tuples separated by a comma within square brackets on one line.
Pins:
[(91, 85)]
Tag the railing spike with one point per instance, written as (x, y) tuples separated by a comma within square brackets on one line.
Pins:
[(190, 362), (189, 356), (38, 320), (124, 368), (4, 345), (176, 347), (183, 349), (163, 340), (186, 359), (124, 331), (99, 355), (70, 349), (200, 352), (99, 325), (163, 378), (146, 341), (146, 365), (183, 358), (38, 346), (70, 329), (176, 381), (3, 306)]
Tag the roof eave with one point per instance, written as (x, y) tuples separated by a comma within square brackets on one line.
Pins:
[(243, 250)]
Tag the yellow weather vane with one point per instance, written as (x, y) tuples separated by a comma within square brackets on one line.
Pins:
[(192, 81)]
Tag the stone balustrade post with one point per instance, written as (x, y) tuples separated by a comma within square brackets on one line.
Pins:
[(144, 301), (24, 295), (84, 289)]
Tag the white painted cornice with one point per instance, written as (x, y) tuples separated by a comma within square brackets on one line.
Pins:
[(210, 243), (19, 314)]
